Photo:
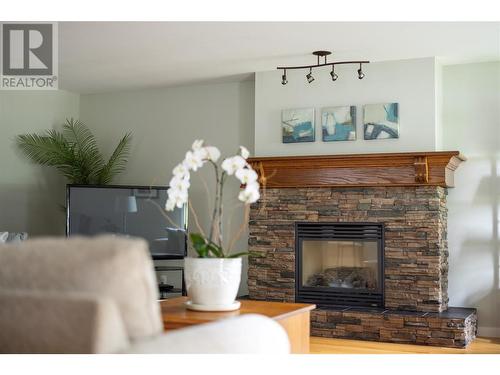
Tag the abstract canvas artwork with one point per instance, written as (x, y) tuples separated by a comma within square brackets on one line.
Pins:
[(381, 121), (297, 125), (338, 123)]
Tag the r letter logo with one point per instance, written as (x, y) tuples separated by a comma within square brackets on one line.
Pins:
[(29, 58)]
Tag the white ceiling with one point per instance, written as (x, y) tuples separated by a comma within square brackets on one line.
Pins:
[(110, 56)]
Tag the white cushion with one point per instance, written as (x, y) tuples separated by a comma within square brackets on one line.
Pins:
[(108, 266), (245, 334), (3, 237)]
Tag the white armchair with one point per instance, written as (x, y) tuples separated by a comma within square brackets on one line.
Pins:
[(99, 295)]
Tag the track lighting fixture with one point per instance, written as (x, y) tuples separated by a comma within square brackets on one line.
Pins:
[(361, 75), (333, 74), (319, 55), (284, 81), (309, 76)]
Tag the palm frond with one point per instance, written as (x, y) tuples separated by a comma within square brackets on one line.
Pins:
[(117, 161), (74, 152), (86, 149), (50, 149), (44, 149)]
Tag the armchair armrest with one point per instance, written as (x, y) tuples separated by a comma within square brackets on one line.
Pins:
[(63, 322)]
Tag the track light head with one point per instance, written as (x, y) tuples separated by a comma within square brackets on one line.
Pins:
[(309, 76), (361, 75), (284, 81), (333, 74)]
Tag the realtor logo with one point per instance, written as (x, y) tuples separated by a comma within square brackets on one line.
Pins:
[(28, 56)]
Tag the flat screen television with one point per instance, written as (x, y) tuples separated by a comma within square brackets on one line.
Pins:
[(136, 211)]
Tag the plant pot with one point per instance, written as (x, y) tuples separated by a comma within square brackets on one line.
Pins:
[(212, 283)]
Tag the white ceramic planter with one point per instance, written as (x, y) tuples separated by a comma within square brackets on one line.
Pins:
[(212, 283)]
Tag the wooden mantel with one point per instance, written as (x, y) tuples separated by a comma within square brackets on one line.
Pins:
[(357, 170)]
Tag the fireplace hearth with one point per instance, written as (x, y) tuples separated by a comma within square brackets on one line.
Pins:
[(339, 264)]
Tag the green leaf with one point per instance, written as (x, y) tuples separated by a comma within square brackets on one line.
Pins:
[(74, 152), (85, 148), (50, 149), (237, 255), (202, 251), (205, 248), (242, 254), (216, 250), (199, 244), (117, 161), (197, 240)]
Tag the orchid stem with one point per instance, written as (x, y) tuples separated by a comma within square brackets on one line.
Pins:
[(196, 220), (221, 188), (215, 211)]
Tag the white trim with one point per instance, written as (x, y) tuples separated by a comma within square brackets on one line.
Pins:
[(489, 331)]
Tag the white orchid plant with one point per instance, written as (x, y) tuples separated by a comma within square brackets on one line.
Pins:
[(211, 246)]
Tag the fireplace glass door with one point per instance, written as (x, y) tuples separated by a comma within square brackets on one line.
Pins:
[(340, 264)]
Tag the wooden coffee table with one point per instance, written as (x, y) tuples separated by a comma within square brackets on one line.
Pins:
[(294, 317)]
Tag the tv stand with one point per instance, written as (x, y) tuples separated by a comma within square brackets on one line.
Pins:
[(166, 289)]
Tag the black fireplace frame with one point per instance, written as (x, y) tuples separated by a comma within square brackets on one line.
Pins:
[(330, 296)]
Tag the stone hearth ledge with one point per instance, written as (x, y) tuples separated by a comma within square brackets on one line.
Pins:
[(454, 328)]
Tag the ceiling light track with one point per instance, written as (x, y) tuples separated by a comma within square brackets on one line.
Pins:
[(319, 55)]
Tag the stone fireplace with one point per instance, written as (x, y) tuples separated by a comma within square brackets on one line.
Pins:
[(364, 238)]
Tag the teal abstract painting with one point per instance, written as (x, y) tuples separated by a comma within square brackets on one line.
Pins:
[(381, 121), (297, 125), (338, 123)]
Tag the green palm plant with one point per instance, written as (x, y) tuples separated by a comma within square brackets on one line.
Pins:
[(74, 152)]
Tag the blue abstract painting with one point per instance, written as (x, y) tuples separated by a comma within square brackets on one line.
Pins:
[(297, 125), (338, 123), (381, 121)]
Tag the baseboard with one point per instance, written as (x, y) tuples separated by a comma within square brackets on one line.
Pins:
[(488, 331)]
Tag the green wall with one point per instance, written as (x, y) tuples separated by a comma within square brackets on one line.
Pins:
[(30, 196)]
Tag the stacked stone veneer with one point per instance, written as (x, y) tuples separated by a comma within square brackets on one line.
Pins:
[(455, 328), (415, 252), (416, 265)]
